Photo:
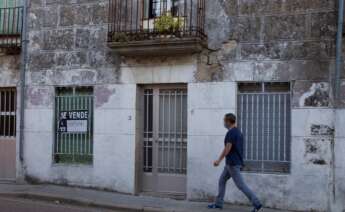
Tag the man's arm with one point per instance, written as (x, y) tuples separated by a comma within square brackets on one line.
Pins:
[(225, 152)]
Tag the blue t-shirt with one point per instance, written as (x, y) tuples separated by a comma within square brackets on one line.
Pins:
[(235, 157)]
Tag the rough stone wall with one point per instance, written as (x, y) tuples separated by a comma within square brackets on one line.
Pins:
[(249, 40), (252, 35), (269, 40), (260, 40), (68, 43), (281, 40)]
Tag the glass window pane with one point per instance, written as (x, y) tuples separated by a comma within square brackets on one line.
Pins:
[(277, 87), (250, 87)]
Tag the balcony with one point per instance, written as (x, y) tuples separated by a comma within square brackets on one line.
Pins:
[(11, 25), (156, 27)]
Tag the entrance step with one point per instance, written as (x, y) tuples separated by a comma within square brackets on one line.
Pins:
[(175, 196), (7, 181)]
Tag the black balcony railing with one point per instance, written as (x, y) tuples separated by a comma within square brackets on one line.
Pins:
[(150, 20), (11, 25)]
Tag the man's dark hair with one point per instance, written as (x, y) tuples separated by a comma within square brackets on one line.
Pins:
[(230, 117)]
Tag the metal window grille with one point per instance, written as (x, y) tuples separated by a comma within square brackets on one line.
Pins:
[(148, 130), (264, 116), (169, 108), (74, 125), (11, 23), (8, 106)]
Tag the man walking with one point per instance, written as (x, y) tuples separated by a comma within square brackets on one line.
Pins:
[(233, 152)]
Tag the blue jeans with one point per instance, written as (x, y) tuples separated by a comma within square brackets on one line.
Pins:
[(234, 172)]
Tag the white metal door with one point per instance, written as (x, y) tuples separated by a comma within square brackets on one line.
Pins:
[(165, 140), (7, 133)]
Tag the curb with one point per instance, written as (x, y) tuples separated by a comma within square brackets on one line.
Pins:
[(82, 202)]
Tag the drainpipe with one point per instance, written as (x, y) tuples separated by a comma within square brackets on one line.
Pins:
[(336, 94), (23, 61), (339, 55)]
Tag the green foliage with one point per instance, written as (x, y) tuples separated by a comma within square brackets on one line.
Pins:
[(178, 23), (166, 23), (120, 37)]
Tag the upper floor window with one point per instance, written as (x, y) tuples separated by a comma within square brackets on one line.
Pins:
[(264, 114), (11, 23), (157, 8), (10, 3)]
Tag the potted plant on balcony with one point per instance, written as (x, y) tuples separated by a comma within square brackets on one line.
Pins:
[(167, 25), (120, 37)]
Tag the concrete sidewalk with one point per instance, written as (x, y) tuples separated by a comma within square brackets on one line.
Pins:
[(107, 200)]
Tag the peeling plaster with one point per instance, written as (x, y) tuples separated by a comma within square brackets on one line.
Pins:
[(39, 97), (103, 95), (317, 151), (9, 70), (317, 96), (322, 130), (212, 65)]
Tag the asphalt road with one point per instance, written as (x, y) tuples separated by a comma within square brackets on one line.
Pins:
[(23, 205)]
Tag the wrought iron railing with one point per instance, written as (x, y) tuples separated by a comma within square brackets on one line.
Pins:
[(141, 20), (11, 25)]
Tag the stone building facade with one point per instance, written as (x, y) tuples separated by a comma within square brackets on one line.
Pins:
[(280, 50)]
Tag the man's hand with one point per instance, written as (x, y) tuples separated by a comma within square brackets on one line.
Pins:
[(225, 152), (216, 163)]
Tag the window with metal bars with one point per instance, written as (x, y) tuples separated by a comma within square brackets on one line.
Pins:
[(264, 116), (11, 24), (10, 17), (74, 125), (8, 107), (157, 8)]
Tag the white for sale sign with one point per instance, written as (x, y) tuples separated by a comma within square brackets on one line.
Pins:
[(74, 121)]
